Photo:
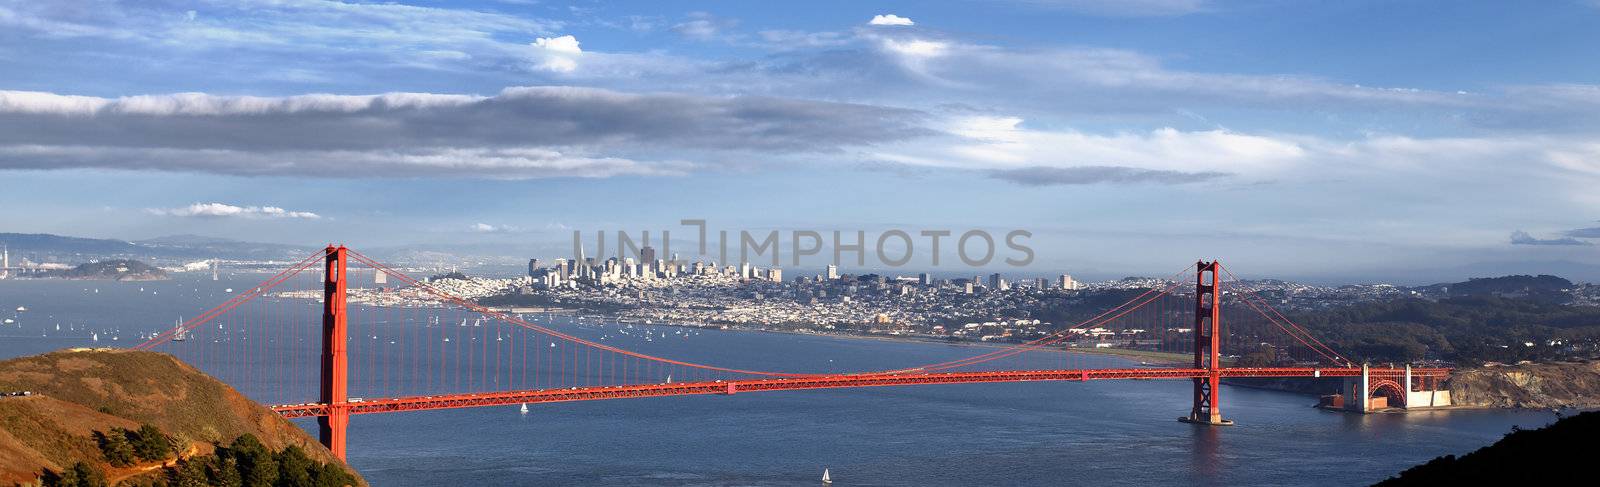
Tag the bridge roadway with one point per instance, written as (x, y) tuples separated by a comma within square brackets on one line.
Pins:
[(592, 393)]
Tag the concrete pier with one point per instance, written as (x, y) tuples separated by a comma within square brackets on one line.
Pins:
[(1366, 393)]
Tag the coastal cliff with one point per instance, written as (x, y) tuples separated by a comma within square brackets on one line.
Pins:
[(1530, 385)]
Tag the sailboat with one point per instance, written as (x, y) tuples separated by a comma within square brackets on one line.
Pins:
[(825, 479), (179, 334), (524, 408)]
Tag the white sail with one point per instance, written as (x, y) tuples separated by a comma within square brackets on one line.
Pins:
[(825, 478)]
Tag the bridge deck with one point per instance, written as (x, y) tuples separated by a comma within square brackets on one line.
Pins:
[(420, 403)]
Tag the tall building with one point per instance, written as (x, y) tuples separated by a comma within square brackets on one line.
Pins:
[(1067, 283), (647, 254), (994, 281), (833, 272), (533, 267), (925, 279), (775, 274)]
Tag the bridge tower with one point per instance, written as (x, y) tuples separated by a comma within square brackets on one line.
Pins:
[(1207, 408), (331, 428)]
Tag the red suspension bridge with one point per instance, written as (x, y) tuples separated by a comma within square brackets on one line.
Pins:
[(409, 345)]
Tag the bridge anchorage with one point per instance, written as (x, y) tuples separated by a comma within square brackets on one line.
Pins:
[(415, 345)]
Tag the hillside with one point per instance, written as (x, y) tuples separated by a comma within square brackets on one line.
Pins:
[(1552, 455), (44, 247), (76, 393), (1533, 385), (1467, 330), (114, 270)]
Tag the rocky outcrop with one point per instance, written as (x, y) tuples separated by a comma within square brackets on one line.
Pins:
[(1529, 385)]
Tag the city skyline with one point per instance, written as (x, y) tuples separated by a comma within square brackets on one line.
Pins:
[(1127, 138)]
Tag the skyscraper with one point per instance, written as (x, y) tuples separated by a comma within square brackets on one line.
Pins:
[(647, 255), (833, 272), (1067, 283), (924, 279), (533, 267)]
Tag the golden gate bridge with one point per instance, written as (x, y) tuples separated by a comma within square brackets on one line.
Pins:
[(330, 361)]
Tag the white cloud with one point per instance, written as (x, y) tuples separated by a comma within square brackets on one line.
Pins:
[(223, 210), (916, 48), (375, 28), (703, 26), (990, 142), (890, 19), (559, 54), (794, 39), (564, 44), (487, 228)]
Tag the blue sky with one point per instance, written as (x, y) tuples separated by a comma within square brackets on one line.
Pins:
[(1330, 141)]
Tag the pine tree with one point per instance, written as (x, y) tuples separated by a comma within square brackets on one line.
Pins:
[(115, 447), (150, 444)]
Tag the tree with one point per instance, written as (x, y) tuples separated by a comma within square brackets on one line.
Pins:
[(224, 472), (80, 475), (115, 447), (330, 475), (150, 444), (256, 466), (294, 469), (189, 473)]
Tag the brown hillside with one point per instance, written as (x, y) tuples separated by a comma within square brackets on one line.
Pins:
[(80, 391), (1532, 385)]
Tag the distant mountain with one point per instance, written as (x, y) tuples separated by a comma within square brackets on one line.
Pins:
[(1541, 287), (116, 270), (41, 247)]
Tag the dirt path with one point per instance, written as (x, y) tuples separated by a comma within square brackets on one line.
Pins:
[(120, 474)]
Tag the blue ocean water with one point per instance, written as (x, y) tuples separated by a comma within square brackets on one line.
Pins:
[(1101, 433)]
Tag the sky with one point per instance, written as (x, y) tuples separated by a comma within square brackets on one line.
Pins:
[(1348, 141)]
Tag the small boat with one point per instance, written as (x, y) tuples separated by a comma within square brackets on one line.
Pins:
[(524, 409), (9, 321), (179, 334), (22, 308), (826, 480)]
